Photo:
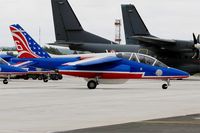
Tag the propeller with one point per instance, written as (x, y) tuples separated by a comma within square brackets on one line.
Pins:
[(196, 46)]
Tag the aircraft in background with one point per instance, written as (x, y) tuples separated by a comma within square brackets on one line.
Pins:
[(180, 54), (6, 57), (69, 33), (29, 50), (119, 68), (8, 71)]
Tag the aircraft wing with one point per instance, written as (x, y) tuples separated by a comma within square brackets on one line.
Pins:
[(94, 61), (155, 41), (24, 64), (65, 44), (6, 57)]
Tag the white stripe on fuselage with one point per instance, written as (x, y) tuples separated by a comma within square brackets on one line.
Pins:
[(119, 72), (85, 60), (101, 71)]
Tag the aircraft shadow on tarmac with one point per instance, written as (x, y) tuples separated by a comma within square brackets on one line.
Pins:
[(180, 124)]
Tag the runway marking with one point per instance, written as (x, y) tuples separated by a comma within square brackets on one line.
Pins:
[(173, 122)]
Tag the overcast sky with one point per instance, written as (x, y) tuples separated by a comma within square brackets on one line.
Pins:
[(169, 19)]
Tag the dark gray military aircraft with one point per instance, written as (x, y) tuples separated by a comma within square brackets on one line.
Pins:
[(69, 33), (181, 54)]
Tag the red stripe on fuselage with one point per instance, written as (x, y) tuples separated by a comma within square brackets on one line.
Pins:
[(107, 75), (117, 75)]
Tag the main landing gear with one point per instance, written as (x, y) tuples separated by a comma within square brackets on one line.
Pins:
[(5, 81), (92, 84), (165, 86)]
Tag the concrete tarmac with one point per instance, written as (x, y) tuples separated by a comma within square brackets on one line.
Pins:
[(182, 124), (37, 107)]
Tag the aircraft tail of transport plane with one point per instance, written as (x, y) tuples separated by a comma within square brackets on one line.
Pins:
[(121, 67), (68, 27), (26, 46), (136, 33), (132, 18)]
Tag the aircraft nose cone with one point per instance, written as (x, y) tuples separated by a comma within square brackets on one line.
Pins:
[(177, 72)]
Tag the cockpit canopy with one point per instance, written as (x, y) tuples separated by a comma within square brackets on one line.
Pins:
[(141, 58)]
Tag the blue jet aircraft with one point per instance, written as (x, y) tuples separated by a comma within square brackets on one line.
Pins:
[(105, 68), (7, 71), (29, 50), (118, 68)]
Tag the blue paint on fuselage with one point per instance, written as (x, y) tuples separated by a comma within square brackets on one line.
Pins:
[(46, 63), (130, 66), (7, 68)]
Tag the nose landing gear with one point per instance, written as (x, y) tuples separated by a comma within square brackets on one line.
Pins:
[(165, 86)]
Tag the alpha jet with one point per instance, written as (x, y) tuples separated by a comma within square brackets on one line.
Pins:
[(117, 68), (29, 50), (8, 71)]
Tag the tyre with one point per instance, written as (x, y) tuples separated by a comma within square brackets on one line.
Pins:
[(5, 81), (164, 86), (26, 77), (40, 77), (53, 77), (34, 77), (45, 80), (60, 77), (92, 84)]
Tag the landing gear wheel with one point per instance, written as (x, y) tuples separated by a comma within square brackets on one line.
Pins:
[(60, 77), (5, 81), (26, 77), (40, 77), (164, 86), (45, 80), (92, 84)]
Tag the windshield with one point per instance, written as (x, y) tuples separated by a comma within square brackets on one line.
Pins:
[(142, 58), (160, 64), (124, 55), (146, 59)]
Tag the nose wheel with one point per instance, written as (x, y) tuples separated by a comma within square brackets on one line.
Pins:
[(165, 86)]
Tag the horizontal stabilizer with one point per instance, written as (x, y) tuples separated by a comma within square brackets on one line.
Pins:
[(154, 40), (24, 64), (6, 57)]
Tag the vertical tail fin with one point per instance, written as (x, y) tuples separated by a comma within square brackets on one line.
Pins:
[(133, 24), (26, 46), (67, 26)]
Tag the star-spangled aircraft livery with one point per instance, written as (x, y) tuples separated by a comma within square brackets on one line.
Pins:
[(29, 50), (7, 71), (106, 68), (27, 47)]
